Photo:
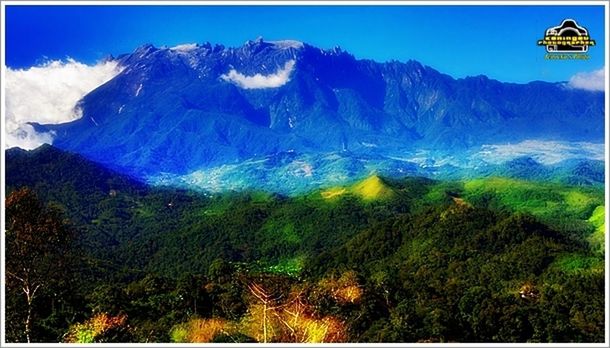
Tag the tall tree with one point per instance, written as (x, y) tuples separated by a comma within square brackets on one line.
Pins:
[(38, 240)]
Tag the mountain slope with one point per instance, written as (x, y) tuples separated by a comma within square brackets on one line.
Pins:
[(178, 110), (59, 170)]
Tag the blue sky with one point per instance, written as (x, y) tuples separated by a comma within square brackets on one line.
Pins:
[(498, 41)]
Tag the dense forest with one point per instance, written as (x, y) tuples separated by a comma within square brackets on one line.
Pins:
[(94, 256)]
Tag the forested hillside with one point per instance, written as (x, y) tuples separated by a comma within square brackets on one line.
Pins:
[(379, 260)]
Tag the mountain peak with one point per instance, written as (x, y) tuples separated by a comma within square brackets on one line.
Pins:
[(286, 44), (258, 41), (185, 47), (279, 44), (145, 49)]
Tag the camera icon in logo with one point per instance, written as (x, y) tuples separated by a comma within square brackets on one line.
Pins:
[(569, 37)]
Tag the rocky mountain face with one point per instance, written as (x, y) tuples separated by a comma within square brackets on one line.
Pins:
[(191, 107)]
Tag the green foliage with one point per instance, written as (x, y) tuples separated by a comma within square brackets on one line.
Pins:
[(290, 267), (179, 334), (579, 263), (598, 220), (546, 201), (485, 260)]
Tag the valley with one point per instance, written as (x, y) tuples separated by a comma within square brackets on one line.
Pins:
[(403, 259)]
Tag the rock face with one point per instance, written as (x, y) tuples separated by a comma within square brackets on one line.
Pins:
[(176, 110)]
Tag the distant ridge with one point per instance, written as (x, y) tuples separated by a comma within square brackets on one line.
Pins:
[(191, 107)]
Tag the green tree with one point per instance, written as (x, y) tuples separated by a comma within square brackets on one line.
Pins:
[(38, 241)]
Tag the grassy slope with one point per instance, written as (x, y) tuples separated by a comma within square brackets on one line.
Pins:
[(370, 189)]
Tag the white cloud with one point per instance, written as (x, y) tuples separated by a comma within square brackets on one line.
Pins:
[(48, 94), (25, 137), (546, 152), (278, 79), (590, 81)]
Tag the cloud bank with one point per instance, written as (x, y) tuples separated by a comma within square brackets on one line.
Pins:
[(590, 81), (545, 152), (48, 94), (258, 81)]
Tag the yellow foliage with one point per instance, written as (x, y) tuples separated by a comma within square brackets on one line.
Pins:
[(350, 293), (304, 327), (91, 330), (291, 321), (199, 330), (345, 289), (204, 330), (268, 320)]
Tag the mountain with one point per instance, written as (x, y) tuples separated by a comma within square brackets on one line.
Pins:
[(526, 168), (582, 172), (175, 111)]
